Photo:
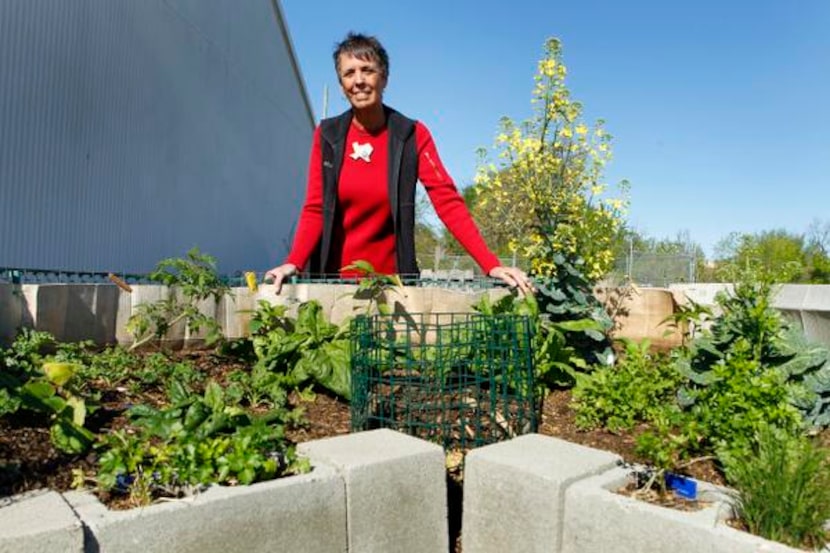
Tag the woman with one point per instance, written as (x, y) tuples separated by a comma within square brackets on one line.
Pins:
[(360, 202)]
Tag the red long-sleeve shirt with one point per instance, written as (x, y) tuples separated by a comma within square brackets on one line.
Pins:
[(364, 229)]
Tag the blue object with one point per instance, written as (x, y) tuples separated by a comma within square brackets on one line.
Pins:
[(682, 486)]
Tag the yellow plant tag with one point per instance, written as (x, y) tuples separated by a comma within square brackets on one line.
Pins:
[(251, 281)]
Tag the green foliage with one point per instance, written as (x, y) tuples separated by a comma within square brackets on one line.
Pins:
[(770, 342), (565, 296), (748, 370), (192, 280), (689, 318), (783, 488), (781, 255), (808, 373), (729, 403), (374, 286), (747, 314), (196, 440), (111, 366), (47, 385), (557, 361), (637, 389), (293, 352)]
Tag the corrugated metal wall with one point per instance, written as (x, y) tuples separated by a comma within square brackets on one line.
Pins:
[(132, 130)]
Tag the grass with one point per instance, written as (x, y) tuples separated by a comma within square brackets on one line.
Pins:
[(782, 492)]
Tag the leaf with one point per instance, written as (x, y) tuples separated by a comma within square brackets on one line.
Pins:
[(59, 373), (195, 415), (178, 393), (39, 395), (78, 409), (214, 396), (70, 438), (807, 360), (330, 367), (360, 265), (39, 389)]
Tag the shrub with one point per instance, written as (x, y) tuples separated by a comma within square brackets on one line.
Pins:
[(728, 404), (636, 390)]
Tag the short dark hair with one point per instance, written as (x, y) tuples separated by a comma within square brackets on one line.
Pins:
[(362, 47)]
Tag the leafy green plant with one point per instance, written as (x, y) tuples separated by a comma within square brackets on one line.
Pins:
[(770, 341), (565, 294), (111, 367), (297, 351), (196, 440), (195, 279), (737, 399), (33, 382), (689, 318), (782, 488), (636, 389), (374, 286), (808, 376), (557, 357)]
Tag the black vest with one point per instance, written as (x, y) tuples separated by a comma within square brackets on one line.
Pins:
[(403, 177)]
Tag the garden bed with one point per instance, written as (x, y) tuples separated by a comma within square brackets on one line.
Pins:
[(32, 462)]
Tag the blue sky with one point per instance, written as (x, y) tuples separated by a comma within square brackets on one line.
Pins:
[(719, 109)]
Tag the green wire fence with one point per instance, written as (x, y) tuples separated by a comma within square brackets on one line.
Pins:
[(458, 379)]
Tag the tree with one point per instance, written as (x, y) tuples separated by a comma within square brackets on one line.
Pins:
[(546, 198), (818, 251), (818, 236), (777, 254)]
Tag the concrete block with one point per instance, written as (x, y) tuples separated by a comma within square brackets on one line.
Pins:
[(339, 301), (514, 492), (453, 301), (396, 491), (234, 312), (49, 308), (597, 519), (703, 293), (37, 522), (299, 513), (91, 313), (128, 306), (817, 297), (14, 312), (122, 317)]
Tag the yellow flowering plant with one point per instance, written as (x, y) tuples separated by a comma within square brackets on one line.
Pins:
[(545, 196)]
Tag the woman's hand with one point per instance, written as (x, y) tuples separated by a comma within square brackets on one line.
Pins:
[(515, 278), (279, 274)]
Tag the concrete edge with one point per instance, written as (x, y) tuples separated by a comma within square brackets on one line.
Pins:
[(620, 521)]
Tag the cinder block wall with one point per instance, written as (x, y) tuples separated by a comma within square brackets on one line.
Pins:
[(100, 312)]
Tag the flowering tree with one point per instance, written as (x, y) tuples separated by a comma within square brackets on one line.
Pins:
[(545, 196)]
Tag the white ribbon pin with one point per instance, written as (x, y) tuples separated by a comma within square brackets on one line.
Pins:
[(362, 151)]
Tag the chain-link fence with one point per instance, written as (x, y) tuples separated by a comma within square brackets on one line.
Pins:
[(642, 268), (654, 269)]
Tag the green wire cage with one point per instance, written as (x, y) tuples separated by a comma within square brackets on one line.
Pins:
[(462, 380)]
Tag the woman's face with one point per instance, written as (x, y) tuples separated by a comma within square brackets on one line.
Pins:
[(362, 81)]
